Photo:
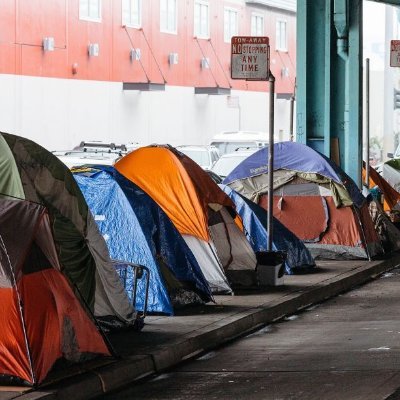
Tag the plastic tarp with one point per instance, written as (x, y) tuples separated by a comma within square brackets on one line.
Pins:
[(254, 220), (391, 196), (137, 230), (302, 159), (106, 304), (256, 186), (166, 241)]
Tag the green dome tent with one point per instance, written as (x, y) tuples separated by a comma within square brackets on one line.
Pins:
[(30, 172)]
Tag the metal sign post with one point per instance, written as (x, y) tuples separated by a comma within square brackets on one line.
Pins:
[(271, 161), (291, 122), (250, 60)]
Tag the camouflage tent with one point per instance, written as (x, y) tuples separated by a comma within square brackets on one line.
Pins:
[(30, 172)]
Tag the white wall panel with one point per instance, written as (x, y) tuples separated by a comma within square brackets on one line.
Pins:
[(59, 113), (8, 103)]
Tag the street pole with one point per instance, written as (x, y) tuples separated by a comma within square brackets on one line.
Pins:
[(291, 117), (271, 161), (367, 122), (240, 117), (292, 99)]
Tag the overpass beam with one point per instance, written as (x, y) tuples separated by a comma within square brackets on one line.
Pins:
[(329, 79)]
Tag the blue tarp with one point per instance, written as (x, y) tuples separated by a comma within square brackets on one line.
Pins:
[(138, 231), (254, 220), (297, 157)]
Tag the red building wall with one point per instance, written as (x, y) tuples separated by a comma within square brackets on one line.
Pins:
[(24, 24)]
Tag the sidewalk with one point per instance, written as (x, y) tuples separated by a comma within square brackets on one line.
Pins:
[(166, 341)]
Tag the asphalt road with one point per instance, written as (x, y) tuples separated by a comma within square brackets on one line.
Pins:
[(345, 348)]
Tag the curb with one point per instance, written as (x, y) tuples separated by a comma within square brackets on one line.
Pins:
[(95, 382)]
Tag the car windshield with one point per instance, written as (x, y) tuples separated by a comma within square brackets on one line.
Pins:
[(225, 165), (200, 156), (229, 147)]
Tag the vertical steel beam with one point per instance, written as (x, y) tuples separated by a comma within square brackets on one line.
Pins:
[(313, 73), (329, 76), (352, 162)]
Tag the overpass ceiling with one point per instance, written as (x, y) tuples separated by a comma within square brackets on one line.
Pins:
[(288, 5), (392, 2)]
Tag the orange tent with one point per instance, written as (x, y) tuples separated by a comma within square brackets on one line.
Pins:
[(199, 209), (185, 191), (391, 197), (42, 320)]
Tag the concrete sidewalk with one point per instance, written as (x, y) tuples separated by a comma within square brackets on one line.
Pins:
[(166, 341)]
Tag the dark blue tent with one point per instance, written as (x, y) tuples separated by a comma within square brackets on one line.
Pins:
[(138, 231), (254, 220)]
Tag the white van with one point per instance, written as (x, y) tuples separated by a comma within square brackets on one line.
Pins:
[(230, 141), (205, 156), (229, 161)]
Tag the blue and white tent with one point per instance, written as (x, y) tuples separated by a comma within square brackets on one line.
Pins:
[(254, 220), (137, 230)]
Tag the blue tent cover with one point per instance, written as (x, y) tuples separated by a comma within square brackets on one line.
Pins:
[(254, 217), (137, 230)]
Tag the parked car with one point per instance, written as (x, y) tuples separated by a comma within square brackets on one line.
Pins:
[(227, 142), (94, 153), (205, 156), (228, 162)]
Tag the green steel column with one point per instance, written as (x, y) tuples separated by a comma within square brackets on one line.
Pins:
[(329, 79)]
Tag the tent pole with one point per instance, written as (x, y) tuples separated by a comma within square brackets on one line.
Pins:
[(271, 161), (21, 313)]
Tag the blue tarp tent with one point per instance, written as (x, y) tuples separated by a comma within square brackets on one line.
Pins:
[(254, 220), (138, 231)]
